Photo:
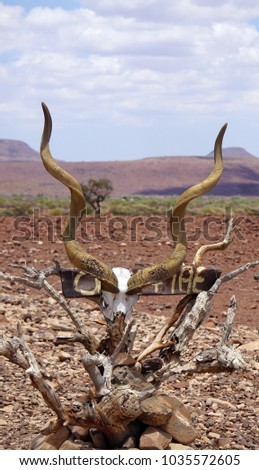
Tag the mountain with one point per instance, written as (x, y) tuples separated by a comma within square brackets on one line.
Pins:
[(233, 152), (17, 151), (21, 172)]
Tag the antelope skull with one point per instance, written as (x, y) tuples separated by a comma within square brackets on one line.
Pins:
[(118, 287)]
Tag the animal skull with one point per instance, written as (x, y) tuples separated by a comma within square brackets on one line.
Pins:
[(120, 303)]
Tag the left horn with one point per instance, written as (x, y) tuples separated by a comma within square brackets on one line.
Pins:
[(76, 254), (172, 265)]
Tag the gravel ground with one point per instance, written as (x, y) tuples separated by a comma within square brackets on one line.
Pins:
[(224, 406)]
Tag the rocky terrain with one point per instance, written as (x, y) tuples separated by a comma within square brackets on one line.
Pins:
[(21, 172), (224, 406)]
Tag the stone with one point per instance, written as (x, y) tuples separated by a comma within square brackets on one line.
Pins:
[(3, 422), (71, 445), (156, 410), (64, 356), (54, 440), (224, 443), (213, 435), (130, 443), (252, 346), (179, 425), (3, 319), (180, 384), (154, 439), (177, 405), (177, 446), (8, 409), (223, 403)]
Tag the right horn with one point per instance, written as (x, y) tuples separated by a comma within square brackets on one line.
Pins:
[(76, 254), (170, 266)]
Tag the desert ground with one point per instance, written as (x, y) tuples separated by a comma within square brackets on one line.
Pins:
[(224, 406)]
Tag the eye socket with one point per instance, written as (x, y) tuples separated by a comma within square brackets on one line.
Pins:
[(103, 304)]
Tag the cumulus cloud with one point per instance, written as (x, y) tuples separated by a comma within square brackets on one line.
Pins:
[(130, 61), (185, 11)]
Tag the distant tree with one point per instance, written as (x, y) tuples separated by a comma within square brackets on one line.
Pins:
[(96, 191)]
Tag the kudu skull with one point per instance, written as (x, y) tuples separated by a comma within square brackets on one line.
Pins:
[(119, 287)]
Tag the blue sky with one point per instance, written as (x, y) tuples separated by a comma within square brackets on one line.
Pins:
[(130, 79)]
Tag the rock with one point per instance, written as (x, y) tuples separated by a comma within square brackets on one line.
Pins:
[(155, 439), (130, 443), (180, 384), (213, 435), (224, 443), (222, 402), (57, 326), (98, 439), (177, 405), (156, 410), (8, 409), (55, 440), (252, 346), (177, 446), (3, 319), (179, 424), (3, 422), (63, 356), (180, 429), (71, 445)]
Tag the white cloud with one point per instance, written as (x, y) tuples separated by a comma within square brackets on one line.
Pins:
[(185, 11), (130, 61)]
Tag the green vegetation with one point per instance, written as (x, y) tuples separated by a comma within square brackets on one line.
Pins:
[(18, 205), (159, 205)]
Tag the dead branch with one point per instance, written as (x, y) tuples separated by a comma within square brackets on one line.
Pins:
[(127, 340), (111, 414), (101, 380), (39, 282), (214, 359), (227, 277), (227, 327), (194, 315), (9, 349), (100, 362), (215, 246), (157, 344), (224, 356)]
